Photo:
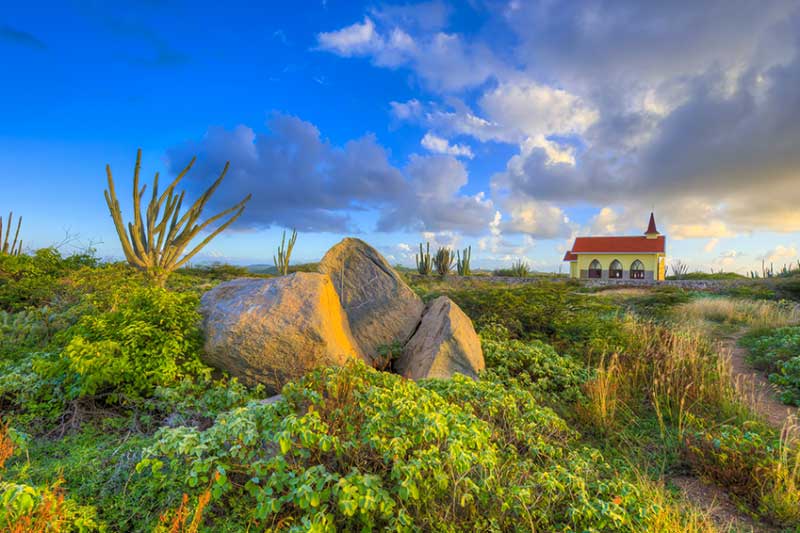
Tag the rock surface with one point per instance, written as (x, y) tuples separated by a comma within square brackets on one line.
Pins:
[(381, 308), (444, 344), (273, 330)]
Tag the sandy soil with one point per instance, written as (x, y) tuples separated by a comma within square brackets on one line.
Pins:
[(757, 387)]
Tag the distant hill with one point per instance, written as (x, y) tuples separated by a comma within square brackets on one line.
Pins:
[(271, 269)]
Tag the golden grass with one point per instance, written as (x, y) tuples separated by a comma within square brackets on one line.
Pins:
[(668, 516), (780, 495), (603, 396), (752, 313)]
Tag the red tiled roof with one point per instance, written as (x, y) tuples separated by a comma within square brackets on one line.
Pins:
[(569, 256), (620, 245)]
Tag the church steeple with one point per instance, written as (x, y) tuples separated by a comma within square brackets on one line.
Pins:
[(652, 232)]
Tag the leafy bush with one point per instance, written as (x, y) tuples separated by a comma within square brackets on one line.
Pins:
[(533, 365), (149, 337), (28, 509), (573, 323), (753, 465), (351, 448), (30, 280), (777, 352)]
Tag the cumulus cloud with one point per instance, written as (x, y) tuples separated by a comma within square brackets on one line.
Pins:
[(439, 145), (780, 255), (444, 61), (432, 200), (300, 180)]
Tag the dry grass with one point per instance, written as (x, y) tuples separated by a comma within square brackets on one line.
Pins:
[(671, 517), (751, 313), (604, 397), (780, 496)]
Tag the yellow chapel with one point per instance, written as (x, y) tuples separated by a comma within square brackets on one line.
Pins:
[(619, 257)]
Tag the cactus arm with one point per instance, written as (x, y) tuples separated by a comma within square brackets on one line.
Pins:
[(216, 232), (16, 234)]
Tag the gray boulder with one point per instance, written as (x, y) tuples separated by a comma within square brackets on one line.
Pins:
[(381, 308), (444, 344), (271, 331)]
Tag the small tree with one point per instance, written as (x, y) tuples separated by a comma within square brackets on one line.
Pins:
[(443, 261), (284, 253), (13, 247), (155, 242)]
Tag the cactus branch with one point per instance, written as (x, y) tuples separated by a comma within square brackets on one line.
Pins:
[(285, 253), (14, 247), (155, 242)]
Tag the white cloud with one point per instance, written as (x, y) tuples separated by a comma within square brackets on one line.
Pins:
[(439, 145), (356, 39), (530, 109), (780, 255)]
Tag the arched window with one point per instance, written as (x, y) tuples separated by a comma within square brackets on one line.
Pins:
[(637, 270), (595, 270), (615, 270)]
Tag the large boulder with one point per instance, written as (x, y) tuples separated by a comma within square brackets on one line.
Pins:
[(382, 309), (444, 344), (271, 331)]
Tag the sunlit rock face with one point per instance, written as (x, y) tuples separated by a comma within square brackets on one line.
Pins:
[(381, 308), (274, 330)]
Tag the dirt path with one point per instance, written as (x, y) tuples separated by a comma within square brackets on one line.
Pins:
[(756, 388), (763, 397), (717, 504)]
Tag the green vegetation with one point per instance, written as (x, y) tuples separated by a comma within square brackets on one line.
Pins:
[(520, 269), (424, 261), (443, 261), (776, 351), (463, 260), (285, 253), (589, 402), (13, 247), (156, 242)]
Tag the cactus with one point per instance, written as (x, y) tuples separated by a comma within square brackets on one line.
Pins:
[(285, 253), (462, 263), (443, 261), (520, 269), (424, 263), (155, 243), (15, 247)]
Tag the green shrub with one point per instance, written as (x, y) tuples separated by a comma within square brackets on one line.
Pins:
[(351, 448), (753, 464), (573, 323), (32, 280), (777, 352), (533, 365), (149, 337)]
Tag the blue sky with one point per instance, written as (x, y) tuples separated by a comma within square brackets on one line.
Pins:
[(509, 126)]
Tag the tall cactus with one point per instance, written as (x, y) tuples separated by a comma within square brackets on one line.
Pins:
[(285, 253), (520, 269), (156, 242), (462, 262), (443, 261), (13, 247), (424, 263)]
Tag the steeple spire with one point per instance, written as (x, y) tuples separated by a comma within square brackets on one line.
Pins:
[(652, 232)]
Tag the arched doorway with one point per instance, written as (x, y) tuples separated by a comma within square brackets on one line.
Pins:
[(637, 270), (615, 270), (595, 270)]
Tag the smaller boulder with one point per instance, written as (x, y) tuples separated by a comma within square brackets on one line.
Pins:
[(445, 343), (274, 330)]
